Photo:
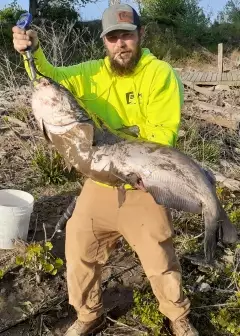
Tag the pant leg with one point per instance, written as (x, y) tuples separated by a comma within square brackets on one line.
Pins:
[(90, 238), (148, 229)]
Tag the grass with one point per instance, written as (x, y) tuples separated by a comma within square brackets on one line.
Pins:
[(51, 167), (196, 143), (146, 311), (207, 144)]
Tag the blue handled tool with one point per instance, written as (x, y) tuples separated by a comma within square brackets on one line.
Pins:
[(24, 22)]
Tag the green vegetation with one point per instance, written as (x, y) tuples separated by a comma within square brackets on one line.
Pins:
[(177, 31), (174, 30), (198, 145), (228, 318), (146, 311), (39, 260), (51, 166)]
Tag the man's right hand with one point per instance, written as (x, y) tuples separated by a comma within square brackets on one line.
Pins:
[(22, 39)]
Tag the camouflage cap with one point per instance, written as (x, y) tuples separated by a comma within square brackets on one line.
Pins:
[(119, 17)]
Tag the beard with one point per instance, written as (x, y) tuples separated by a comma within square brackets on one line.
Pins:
[(124, 61)]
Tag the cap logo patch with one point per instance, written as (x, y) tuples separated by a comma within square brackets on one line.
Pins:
[(125, 16)]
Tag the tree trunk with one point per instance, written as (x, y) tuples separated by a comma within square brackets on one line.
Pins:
[(33, 4)]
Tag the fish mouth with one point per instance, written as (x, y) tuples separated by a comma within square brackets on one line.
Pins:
[(42, 82), (59, 129), (39, 83)]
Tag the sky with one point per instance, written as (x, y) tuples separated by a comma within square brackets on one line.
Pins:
[(94, 11)]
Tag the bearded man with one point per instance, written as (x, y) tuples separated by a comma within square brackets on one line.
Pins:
[(130, 86)]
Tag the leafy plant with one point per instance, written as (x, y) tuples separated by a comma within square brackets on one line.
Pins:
[(39, 260), (235, 216), (146, 309), (11, 12), (228, 318)]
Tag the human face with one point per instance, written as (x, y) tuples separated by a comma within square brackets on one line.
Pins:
[(124, 50)]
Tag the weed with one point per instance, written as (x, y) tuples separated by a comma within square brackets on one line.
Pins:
[(228, 318), (197, 146), (39, 260), (234, 216), (146, 310), (220, 193), (233, 211), (2, 273), (186, 244), (51, 166), (21, 112)]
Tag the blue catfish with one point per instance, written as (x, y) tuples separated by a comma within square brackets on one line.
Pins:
[(173, 179)]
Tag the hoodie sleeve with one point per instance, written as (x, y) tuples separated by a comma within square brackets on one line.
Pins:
[(164, 107), (69, 76)]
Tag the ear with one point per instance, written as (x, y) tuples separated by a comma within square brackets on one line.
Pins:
[(142, 31)]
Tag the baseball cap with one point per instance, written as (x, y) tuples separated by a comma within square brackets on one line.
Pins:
[(119, 17)]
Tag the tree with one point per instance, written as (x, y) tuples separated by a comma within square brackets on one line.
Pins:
[(11, 13), (186, 17), (57, 8), (172, 9), (231, 12)]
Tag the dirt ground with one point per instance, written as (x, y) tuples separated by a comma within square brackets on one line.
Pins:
[(44, 307)]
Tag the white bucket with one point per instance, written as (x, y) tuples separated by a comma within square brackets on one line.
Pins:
[(16, 207)]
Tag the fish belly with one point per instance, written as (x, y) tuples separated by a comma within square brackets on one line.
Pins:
[(173, 194)]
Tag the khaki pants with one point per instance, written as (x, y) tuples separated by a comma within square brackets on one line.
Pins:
[(91, 234)]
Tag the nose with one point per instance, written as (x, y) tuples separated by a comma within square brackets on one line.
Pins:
[(120, 42)]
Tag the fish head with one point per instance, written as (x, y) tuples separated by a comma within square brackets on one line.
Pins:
[(55, 109), (54, 104)]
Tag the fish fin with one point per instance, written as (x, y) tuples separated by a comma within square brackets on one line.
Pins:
[(45, 132), (210, 176), (227, 229), (68, 165), (121, 195), (211, 236), (135, 181)]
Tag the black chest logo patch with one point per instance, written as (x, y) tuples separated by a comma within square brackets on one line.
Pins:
[(130, 98)]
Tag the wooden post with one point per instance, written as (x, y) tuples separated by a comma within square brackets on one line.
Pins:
[(220, 58)]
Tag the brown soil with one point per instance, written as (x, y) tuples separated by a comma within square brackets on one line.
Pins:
[(43, 308)]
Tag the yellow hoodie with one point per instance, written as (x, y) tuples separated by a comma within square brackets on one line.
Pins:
[(150, 98)]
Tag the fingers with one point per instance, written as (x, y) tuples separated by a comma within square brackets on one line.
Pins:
[(15, 29), (32, 34), (21, 42), (23, 39)]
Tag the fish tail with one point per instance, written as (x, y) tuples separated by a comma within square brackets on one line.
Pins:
[(61, 224), (228, 230), (211, 234), (217, 227)]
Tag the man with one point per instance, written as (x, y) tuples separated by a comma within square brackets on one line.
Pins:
[(130, 86)]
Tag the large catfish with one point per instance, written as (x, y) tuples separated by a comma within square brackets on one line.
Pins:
[(174, 179)]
